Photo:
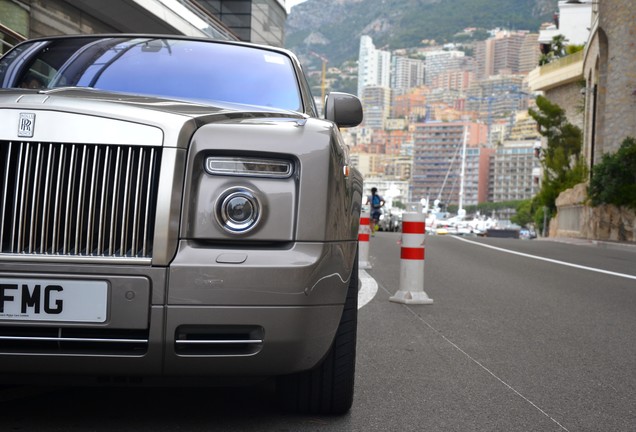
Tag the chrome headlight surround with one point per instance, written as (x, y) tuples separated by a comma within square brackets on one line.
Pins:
[(238, 210)]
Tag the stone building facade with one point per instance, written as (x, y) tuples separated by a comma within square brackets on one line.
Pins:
[(610, 74), (609, 71)]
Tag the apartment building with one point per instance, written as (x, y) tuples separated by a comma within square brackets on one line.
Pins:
[(376, 103), (374, 66), (437, 160), (406, 73), (515, 171), (438, 62), (507, 52)]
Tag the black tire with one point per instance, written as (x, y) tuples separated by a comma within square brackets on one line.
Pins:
[(327, 389)]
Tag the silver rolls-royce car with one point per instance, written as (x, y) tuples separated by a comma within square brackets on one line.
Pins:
[(174, 209)]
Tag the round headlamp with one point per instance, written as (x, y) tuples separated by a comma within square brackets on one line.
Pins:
[(238, 211)]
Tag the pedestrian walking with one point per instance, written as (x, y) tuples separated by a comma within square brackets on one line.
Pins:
[(376, 203)]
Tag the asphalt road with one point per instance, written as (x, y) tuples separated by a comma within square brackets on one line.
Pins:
[(511, 343)]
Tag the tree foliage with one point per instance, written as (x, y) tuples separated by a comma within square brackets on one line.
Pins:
[(525, 213), (562, 161), (614, 178)]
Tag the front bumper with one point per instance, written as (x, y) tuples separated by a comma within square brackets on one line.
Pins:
[(213, 312)]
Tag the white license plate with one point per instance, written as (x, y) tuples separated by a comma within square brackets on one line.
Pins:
[(53, 300)]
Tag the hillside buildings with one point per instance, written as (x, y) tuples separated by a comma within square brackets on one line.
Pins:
[(421, 109), (487, 93)]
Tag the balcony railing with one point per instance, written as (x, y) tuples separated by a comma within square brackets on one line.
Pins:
[(561, 63)]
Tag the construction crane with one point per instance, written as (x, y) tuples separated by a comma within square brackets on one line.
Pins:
[(323, 80)]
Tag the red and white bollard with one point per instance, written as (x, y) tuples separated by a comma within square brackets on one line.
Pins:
[(364, 233), (412, 261)]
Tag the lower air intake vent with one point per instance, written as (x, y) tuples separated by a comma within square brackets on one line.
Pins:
[(57, 340), (218, 340)]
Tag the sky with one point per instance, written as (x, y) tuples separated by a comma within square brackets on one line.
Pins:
[(290, 3)]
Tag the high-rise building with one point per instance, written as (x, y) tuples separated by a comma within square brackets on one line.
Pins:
[(529, 54), (438, 62), (406, 73), (437, 161), (376, 104), (498, 97), (505, 53), (514, 171), (453, 80), (374, 66)]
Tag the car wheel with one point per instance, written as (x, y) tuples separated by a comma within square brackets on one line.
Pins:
[(328, 387)]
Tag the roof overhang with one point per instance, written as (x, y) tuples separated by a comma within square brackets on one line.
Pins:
[(153, 16)]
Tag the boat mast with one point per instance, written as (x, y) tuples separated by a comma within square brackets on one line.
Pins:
[(460, 210)]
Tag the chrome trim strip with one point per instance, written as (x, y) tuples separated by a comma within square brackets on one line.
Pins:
[(90, 218), (136, 209), (80, 202), (219, 342), (102, 203), (45, 211), (57, 207), (126, 206), (113, 204), (75, 259), (66, 240), (15, 199), (148, 191), (65, 339), (34, 196), (4, 194), (23, 187)]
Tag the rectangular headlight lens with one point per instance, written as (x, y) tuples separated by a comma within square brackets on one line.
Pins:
[(251, 167)]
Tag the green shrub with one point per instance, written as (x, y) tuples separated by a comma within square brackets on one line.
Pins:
[(614, 178)]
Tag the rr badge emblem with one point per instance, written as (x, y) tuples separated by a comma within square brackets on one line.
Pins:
[(26, 125)]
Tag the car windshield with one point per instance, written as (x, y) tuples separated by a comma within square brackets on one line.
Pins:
[(174, 68)]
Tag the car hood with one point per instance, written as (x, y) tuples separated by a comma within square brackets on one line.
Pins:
[(80, 97), (177, 119)]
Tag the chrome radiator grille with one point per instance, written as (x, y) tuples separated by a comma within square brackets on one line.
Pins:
[(77, 199)]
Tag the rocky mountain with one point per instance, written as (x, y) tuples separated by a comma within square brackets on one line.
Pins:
[(332, 28)]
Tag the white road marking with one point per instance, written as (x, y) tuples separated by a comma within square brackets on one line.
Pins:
[(481, 365), (623, 275), (368, 289)]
